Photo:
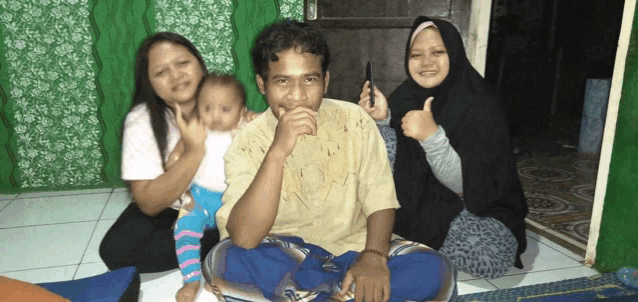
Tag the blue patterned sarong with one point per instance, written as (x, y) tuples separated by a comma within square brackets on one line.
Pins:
[(285, 268)]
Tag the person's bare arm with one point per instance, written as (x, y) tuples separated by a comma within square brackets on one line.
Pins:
[(371, 273), (153, 196), (253, 216), (175, 155), (379, 227), (255, 212)]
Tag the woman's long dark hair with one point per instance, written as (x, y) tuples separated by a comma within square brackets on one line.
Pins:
[(144, 93)]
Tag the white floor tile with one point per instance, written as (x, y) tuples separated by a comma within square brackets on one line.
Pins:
[(205, 296), (68, 246), (8, 196), (44, 246), (543, 277), (92, 253), (44, 275), (540, 257), (65, 193), (160, 287), (116, 205), (474, 286), (49, 210), (464, 277), (555, 246), (163, 287), (4, 203), (90, 270), (535, 236)]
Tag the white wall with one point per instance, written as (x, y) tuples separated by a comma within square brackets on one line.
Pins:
[(478, 35)]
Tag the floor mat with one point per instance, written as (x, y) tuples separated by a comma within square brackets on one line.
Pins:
[(560, 191), (579, 289)]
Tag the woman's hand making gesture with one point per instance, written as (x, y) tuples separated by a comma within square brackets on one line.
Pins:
[(193, 132), (417, 124), (420, 124)]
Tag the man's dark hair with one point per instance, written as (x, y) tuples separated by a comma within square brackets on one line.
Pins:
[(286, 35)]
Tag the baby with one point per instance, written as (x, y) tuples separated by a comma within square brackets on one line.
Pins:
[(221, 106)]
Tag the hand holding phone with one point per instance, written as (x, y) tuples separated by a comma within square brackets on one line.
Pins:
[(370, 78), (373, 101)]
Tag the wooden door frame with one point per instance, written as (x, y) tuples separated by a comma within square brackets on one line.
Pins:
[(478, 34), (610, 130)]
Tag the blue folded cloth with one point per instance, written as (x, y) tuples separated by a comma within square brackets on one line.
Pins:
[(119, 285)]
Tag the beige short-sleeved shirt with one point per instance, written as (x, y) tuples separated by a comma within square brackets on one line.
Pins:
[(331, 183)]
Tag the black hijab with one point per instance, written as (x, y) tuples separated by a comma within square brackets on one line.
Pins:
[(470, 113)]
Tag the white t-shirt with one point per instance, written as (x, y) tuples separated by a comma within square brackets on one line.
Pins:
[(141, 159), (210, 174)]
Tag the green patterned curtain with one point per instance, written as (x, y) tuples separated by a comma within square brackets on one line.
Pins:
[(52, 96), (118, 26), (206, 23), (8, 160), (224, 30), (66, 77)]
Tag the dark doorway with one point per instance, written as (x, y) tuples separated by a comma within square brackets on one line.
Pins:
[(540, 57)]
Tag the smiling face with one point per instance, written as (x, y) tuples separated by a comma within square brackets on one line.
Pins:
[(428, 62), (220, 106), (174, 73), (294, 80)]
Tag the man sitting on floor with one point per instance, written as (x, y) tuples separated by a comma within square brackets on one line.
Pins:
[(310, 204)]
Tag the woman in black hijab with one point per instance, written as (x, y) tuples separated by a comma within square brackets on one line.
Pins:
[(454, 172)]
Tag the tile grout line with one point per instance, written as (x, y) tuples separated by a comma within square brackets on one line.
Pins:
[(48, 224), (472, 279), (557, 234), (10, 201), (76, 270), (492, 284), (566, 238), (553, 247), (105, 205), (5, 206), (86, 248), (32, 269), (35, 225), (93, 233), (547, 270), (63, 195)]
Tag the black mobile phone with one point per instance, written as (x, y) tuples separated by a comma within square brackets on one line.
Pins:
[(370, 78)]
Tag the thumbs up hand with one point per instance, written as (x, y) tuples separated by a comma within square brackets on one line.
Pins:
[(419, 124)]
